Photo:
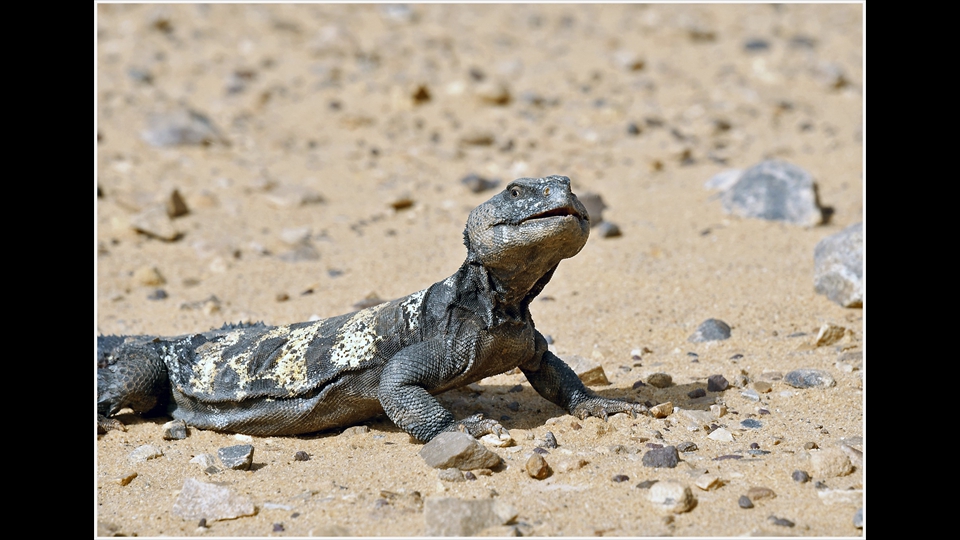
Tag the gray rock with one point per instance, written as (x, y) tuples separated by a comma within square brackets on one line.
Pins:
[(607, 229), (477, 183), (745, 502), (594, 205), (549, 440), (458, 450), (239, 457), (801, 477), (183, 127), (717, 383), (143, 453), (838, 267), (660, 380), (174, 430), (662, 457), (448, 516), (590, 372), (199, 500), (777, 191), (451, 475), (710, 330), (858, 518), (809, 378), (750, 423)]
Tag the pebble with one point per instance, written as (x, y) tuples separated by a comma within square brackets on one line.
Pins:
[(589, 372), (687, 446), (706, 482), (607, 229), (830, 463), (750, 394), (662, 410), (858, 518), (125, 478), (696, 393), (355, 430), (200, 500), (672, 497), (721, 434), (459, 450), (451, 475), (662, 457), (718, 410), (238, 457), (762, 387), (182, 127), (710, 330), (838, 266), (809, 378), (781, 522), (174, 430), (154, 222), (723, 180), (777, 191), (660, 380), (800, 476), (717, 383), (537, 467), (204, 460), (570, 464), (158, 294), (478, 184), (449, 516), (301, 456), (750, 423), (143, 453), (646, 484), (758, 493), (744, 502), (549, 440), (148, 276), (595, 206), (176, 206), (292, 196), (829, 334)]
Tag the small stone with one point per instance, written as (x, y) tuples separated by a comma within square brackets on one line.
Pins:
[(660, 380), (451, 475), (829, 334), (183, 127), (143, 453), (750, 394), (301, 456), (158, 294), (687, 446), (607, 229), (278, 527), (292, 196), (460, 450), (478, 184), (148, 276), (238, 457), (448, 516), (355, 430), (809, 378), (718, 410), (723, 180), (589, 372), (549, 440), (696, 393), (620, 478), (646, 484), (595, 206), (662, 410), (672, 497), (706, 482), (717, 383), (830, 463), (838, 266), (402, 202), (710, 330), (777, 191), (810, 445), (744, 502), (200, 500), (858, 518), (174, 430), (125, 478), (493, 92), (666, 457), (537, 467), (176, 206), (762, 387), (840, 496), (750, 423), (154, 222), (502, 440), (757, 493), (780, 522), (721, 434), (800, 476), (570, 464), (204, 460)]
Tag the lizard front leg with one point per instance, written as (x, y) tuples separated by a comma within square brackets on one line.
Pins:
[(404, 395), (554, 380)]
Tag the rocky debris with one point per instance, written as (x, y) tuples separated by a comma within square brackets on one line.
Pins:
[(717, 383), (451, 475), (148, 276), (672, 497), (780, 522), (292, 196), (777, 191), (718, 410), (355, 430), (204, 460), (154, 222), (595, 206), (856, 456), (549, 440), (502, 440), (744, 502), (750, 423), (710, 330), (174, 430), (589, 372), (157, 294), (490, 92), (762, 387), (858, 518), (662, 410), (478, 184), (537, 467), (850, 361), (570, 464), (758, 493), (660, 380), (448, 516), (721, 434), (801, 477), (723, 180), (181, 127), (477, 137), (607, 229), (618, 478), (458, 450), (840, 496), (143, 453), (809, 378), (175, 205), (696, 393), (125, 478), (687, 446), (830, 463), (301, 456), (238, 457), (707, 481), (829, 334), (666, 457), (200, 500), (838, 267)]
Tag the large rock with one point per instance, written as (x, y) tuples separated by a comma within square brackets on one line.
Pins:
[(458, 450), (777, 191), (200, 500), (448, 516), (838, 266)]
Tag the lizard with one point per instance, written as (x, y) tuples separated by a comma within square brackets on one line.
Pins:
[(390, 358)]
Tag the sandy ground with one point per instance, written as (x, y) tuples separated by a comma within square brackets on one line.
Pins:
[(329, 116)]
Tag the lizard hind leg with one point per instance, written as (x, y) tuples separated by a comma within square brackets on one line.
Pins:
[(131, 375)]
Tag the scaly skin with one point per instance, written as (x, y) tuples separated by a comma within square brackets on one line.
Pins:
[(393, 357)]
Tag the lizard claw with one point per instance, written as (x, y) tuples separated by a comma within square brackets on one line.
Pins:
[(478, 426), (602, 408)]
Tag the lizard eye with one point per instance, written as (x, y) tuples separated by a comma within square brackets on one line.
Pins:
[(514, 193)]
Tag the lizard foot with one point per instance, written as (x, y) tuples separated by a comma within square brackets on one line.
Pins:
[(478, 426), (105, 424), (603, 407)]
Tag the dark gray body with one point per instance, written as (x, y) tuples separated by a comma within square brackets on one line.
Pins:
[(389, 358)]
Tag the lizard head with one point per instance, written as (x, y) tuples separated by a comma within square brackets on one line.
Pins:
[(528, 228)]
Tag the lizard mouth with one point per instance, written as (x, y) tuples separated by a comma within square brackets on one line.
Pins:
[(556, 212)]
